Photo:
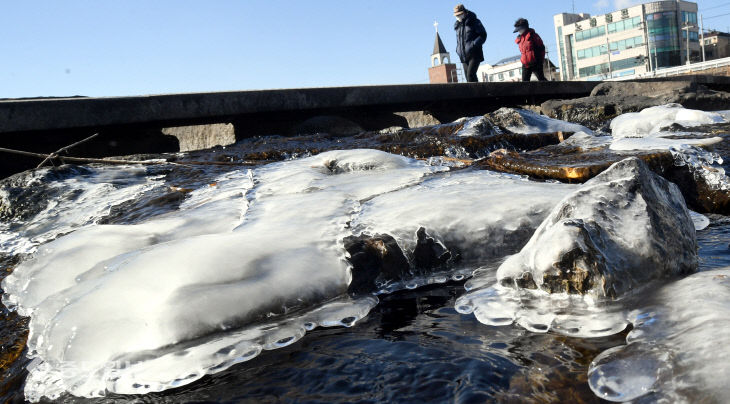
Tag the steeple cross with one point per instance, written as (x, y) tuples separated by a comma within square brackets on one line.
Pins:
[(436, 25)]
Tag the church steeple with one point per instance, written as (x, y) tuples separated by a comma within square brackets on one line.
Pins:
[(440, 55), (441, 70)]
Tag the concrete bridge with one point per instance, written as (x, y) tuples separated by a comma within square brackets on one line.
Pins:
[(132, 125)]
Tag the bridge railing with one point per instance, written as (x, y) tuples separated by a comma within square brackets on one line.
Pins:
[(678, 70)]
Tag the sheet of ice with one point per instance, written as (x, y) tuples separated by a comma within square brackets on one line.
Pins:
[(678, 350), (57, 264), (503, 212), (161, 305), (643, 131), (536, 123), (517, 121), (474, 126), (587, 141), (700, 221), (73, 202), (659, 143), (650, 121)]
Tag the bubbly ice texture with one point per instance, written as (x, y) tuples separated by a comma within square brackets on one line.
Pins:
[(677, 351), (539, 312), (77, 201)]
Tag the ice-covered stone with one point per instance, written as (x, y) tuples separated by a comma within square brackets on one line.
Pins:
[(476, 217), (609, 236), (159, 296), (650, 122), (526, 122), (678, 350)]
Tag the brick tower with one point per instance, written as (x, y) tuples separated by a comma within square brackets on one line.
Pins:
[(441, 70)]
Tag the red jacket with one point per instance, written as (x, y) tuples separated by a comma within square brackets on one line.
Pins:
[(531, 47)]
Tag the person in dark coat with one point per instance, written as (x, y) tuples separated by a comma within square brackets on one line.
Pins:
[(532, 50), (470, 36)]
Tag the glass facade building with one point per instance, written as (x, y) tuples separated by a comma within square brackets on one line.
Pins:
[(634, 40)]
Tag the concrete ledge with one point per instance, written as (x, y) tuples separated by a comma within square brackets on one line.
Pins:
[(204, 108)]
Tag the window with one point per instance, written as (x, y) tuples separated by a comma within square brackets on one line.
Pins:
[(501, 76), (613, 46), (693, 36), (512, 73), (590, 33), (615, 66), (624, 25), (689, 17)]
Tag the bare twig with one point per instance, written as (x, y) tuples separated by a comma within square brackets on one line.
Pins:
[(63, 149), (118, 162)]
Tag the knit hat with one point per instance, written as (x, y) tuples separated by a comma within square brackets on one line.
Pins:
[(459, 9), (521, 23)]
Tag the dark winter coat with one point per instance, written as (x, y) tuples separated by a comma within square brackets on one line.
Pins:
[(531, 48), (470, 36)]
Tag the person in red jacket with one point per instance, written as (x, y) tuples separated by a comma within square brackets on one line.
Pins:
[(532, 50)]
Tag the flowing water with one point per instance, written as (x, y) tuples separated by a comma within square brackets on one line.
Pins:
[(202, 236)]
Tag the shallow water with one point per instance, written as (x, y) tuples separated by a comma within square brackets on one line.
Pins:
[(413, 346)]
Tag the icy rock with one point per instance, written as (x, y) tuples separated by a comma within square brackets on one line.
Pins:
[(374, 258), (503, 212), (164, 297), (678, 350), (527, 122), (609, 236), (652, 121)]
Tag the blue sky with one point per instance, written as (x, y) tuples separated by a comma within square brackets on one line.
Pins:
[(130, 47)]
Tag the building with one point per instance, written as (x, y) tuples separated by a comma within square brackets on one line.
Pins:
[(441, 70), (510, 69), (619, 43), (717, 45)]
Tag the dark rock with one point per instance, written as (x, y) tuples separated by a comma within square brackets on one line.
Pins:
[(429, 254), (372, 258), (610, 99), (611, 235)]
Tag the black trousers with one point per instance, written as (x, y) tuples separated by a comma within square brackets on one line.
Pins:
[(470, 70), (537, 68)]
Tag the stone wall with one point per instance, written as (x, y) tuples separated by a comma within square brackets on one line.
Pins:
[(199, 137)]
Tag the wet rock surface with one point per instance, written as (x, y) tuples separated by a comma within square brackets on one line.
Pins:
[(378, 260), (610, 236), (611, 99)]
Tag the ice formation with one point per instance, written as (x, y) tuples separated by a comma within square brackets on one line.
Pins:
[(677, 351), (608, 237), (647, 130), (480, 215), (520, 121), (650, 122), (135, 290), (532, 122), (69, 202), (248, 264)]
